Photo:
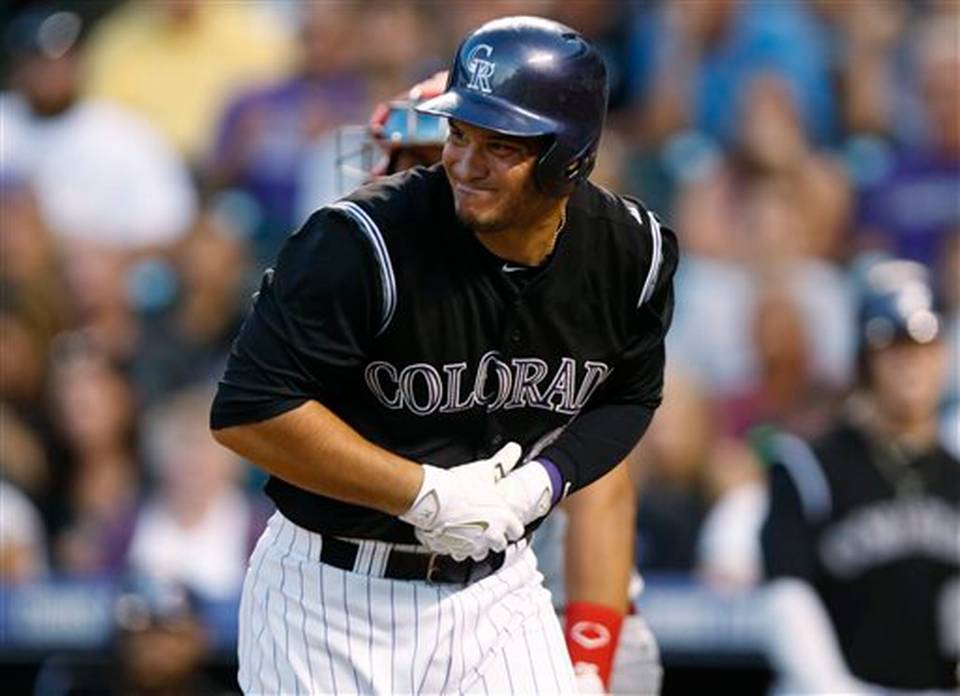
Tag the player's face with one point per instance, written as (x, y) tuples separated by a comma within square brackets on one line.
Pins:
[(492, 178), (907, 379)]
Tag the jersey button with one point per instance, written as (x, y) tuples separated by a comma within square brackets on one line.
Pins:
[(496, 440), (516, 336)]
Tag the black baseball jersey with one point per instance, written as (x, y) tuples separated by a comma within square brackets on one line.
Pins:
[(876, 532), (387, 310)]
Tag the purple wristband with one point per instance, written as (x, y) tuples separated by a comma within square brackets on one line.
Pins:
[(556, 480)]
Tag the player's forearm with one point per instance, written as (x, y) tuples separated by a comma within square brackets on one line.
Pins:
[(600, 534), (596, 441), (313, 449), (801, 641)]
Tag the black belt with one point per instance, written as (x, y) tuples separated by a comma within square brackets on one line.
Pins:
[(411, 565)]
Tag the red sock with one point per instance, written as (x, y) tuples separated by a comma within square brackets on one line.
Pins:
[(592, 632)]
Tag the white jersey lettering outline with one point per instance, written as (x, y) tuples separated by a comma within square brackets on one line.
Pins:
[(423, 389)]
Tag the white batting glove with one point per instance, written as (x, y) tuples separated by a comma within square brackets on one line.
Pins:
[(588, 679), (528, 491), (459, 511)]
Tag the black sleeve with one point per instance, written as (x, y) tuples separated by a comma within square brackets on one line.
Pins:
[(617, 416), (596, 441), (786, 538), (311, 321)]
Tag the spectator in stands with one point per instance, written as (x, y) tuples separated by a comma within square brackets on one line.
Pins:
[(788, 392), (31, 271), (100, 173), (911, 208), (98, 287), (400, 46), (460, 18), (23, 544), (701, 499), (774, 209), (162, 643), (708, 53), (177, 62), (669, 471), (187, 340), (23, 377), (32, 311), (695, 64), (263, 135), (198, 526), (710, 337), (92, 405), (23, 458), (867, 39), (771, 149), (30, 452), (160, 646)]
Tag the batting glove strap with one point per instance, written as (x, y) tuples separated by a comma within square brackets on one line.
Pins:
[(528, 491), (592, 632)]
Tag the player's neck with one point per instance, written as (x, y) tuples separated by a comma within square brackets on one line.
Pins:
[(528, 244), (916, 434), (915, 431)]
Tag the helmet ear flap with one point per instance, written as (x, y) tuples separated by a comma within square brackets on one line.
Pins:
[(582, 164), (558, 171)]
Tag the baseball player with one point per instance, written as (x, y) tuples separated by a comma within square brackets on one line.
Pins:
[(862, 539), (434, 362), (585, 549)]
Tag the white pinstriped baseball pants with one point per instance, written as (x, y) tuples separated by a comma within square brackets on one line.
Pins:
[(310, 628)]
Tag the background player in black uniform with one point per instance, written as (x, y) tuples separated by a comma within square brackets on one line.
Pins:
[(862, 538), (417, 326)]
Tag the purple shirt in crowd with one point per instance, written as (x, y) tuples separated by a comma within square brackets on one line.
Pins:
[(916, 207), (264, 135)]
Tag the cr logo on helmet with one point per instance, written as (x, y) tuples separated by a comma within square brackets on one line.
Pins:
[(480, 70)]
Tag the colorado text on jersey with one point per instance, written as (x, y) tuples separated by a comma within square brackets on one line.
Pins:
[(423, 389)]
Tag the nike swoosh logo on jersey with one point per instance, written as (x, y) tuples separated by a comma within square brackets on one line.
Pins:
[(507, 268)]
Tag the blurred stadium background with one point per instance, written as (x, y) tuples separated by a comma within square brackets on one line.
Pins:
[(153, 155)]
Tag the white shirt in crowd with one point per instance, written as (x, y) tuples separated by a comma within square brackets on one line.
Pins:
[(209, 557), (100, 173), (21, 528)]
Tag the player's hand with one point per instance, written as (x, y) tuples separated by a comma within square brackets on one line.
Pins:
[(433, 86), (528, 491), (588, 679), (461, 513)]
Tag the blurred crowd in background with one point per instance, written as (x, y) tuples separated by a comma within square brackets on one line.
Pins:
[(154, 155)]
